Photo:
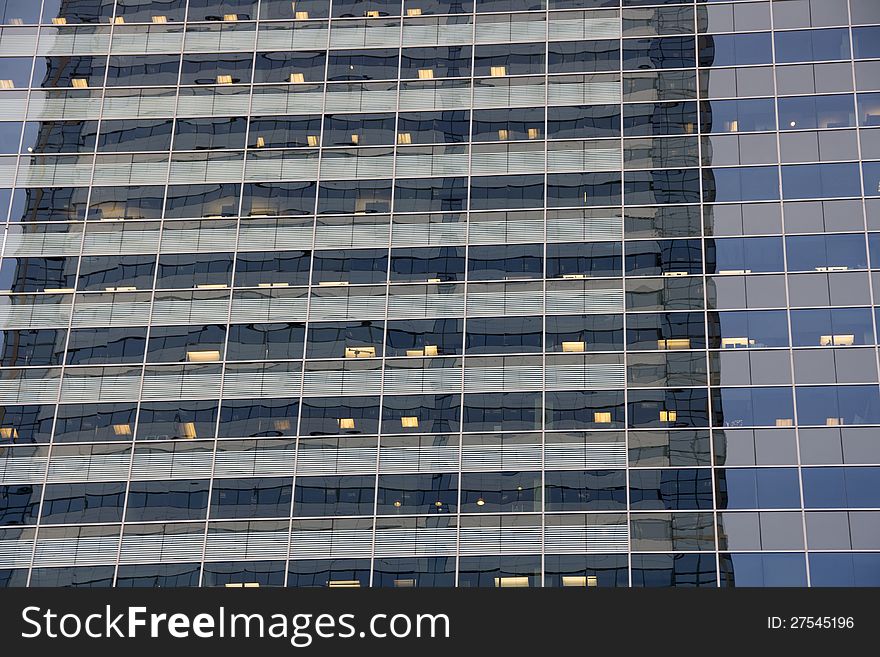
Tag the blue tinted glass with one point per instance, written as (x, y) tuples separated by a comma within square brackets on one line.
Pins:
[(752, 329), (869, 110), (839, 487), (744, 407), (736, 49), (763, 570), (817, 327), (866, 42), (874, 249), (871, 178), (741, 184), (749, 488), (845, 569), (834, 405), (746, 115), (805, 181), (818, 252), (753, 254), (812, 45), (804, 112)]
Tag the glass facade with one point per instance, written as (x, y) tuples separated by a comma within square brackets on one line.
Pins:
[(401, 293)]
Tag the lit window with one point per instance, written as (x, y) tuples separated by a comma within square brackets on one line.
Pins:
[(574, 276), (188, 429), (59, 290), (426, 74), (7, 84), (414, 11), (360, 352), (675, 273), (119, 20), (736, 343), (731, 272), (79, 83), (230, 17), (784, 422), (261, 143), (345, 422), (404, 583), (409, 422), (211, 286), (282, 425), (297, 77), (430, 350), (242, 585), (121, 288), (733, 126), (534, 133), (511, 582), (580, 580), (674, 343), (332, 283), (224, 79), (160, 19), (8, 433), (832, 268), (122, 429), (301, 15), (344, 584), (833, 421), (355, 139), (602, 417), (15, 21), (371, 14), (842, 340), (312, 140), (574, 346), (59, 21), (498, 71), (668, 416), (503, 135), (404, 138), (204, 356), (273, 284)]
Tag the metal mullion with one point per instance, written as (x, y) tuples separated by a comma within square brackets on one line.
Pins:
[(701, 166), (623, 281), (792, 352), (465, 295)]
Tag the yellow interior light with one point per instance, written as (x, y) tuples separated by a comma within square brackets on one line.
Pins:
[(203, 356), (360, 352), (512, 582)]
